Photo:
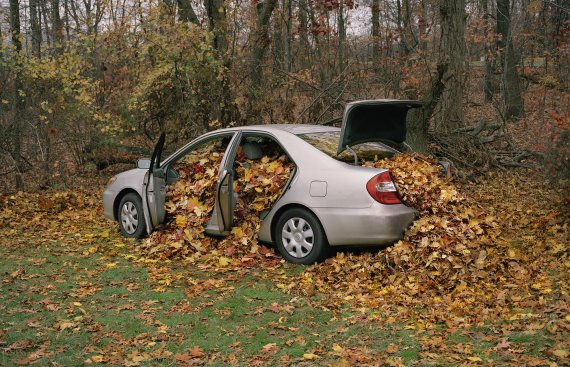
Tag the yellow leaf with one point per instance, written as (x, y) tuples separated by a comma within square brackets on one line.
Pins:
[(474, 359), (560, 353), (62, 325), (247, 175), (97, 358), (461, 287), (272, 166), (181, 221), (337, 348), (310, 356), (237, 231), (224, 261)]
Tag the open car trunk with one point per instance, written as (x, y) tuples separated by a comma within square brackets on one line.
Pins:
[(381, 120)]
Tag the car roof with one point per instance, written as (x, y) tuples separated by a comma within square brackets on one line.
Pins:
[(386, 101), (296, 129), (300, 151)]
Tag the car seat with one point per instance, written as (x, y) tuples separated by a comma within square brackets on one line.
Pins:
[(252, 150)]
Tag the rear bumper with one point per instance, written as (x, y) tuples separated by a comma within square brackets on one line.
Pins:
[(376, 225)]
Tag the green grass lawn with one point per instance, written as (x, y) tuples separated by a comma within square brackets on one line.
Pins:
[(72, 306)]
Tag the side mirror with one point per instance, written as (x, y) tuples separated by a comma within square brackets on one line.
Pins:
[(143, 163)]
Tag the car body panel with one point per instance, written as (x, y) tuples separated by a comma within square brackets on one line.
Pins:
[(374, 120), (128, 181)]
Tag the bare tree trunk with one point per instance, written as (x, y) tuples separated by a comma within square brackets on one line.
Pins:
[(324, 69), (452, 13), (36, 26), (1, 44), (216, 11), (288, 11), (44, 13), (66, 18), (260, 41), (375, 8), (19, 103), (418, 118), (186, 12), (57, 25), (489, 69), (406, 29), (278, 43), (264, 10), (303, 34), (422, 27), (514, 108), (341, 37)]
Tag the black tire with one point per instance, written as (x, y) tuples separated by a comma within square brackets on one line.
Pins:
[(300, 238), (130, 216)]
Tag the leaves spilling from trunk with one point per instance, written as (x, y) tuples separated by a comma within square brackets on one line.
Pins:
[(460, 256), (452, 238)]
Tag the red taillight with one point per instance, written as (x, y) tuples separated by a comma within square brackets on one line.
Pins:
[(382, 189)]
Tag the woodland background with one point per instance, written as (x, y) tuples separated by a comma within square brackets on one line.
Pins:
[(84, 82)]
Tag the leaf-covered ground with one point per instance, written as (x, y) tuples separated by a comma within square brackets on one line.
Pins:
[(487, 286)]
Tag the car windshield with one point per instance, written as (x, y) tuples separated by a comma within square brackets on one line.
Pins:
[(327, 142)]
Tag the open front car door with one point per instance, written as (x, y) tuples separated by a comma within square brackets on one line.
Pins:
[(154, 189)]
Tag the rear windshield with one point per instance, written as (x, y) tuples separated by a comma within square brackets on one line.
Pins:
[(327, 142)]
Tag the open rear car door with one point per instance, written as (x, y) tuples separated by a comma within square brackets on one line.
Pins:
[(154, 189), (222, 218)]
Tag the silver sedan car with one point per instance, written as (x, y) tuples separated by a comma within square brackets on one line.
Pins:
[(329, 200)]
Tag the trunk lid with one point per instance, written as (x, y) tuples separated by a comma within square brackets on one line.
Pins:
[(382, 120)]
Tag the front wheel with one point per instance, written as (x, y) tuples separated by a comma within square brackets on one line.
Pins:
[(300, 238), (131, 217)]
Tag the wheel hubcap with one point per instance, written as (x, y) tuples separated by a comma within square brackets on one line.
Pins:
[(129, 217), (297, 237)]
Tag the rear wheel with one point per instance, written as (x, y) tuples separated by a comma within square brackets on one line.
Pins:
[(131, 217), (300, 238)]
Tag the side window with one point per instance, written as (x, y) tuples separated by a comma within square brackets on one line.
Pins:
[(262, 171), (194, 191)]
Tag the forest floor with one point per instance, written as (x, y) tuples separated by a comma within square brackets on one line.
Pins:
[(74, 292)]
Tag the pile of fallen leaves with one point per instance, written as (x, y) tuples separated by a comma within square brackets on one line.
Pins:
[(452, 232), (450, 245), (190, 203), (455, 253)]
